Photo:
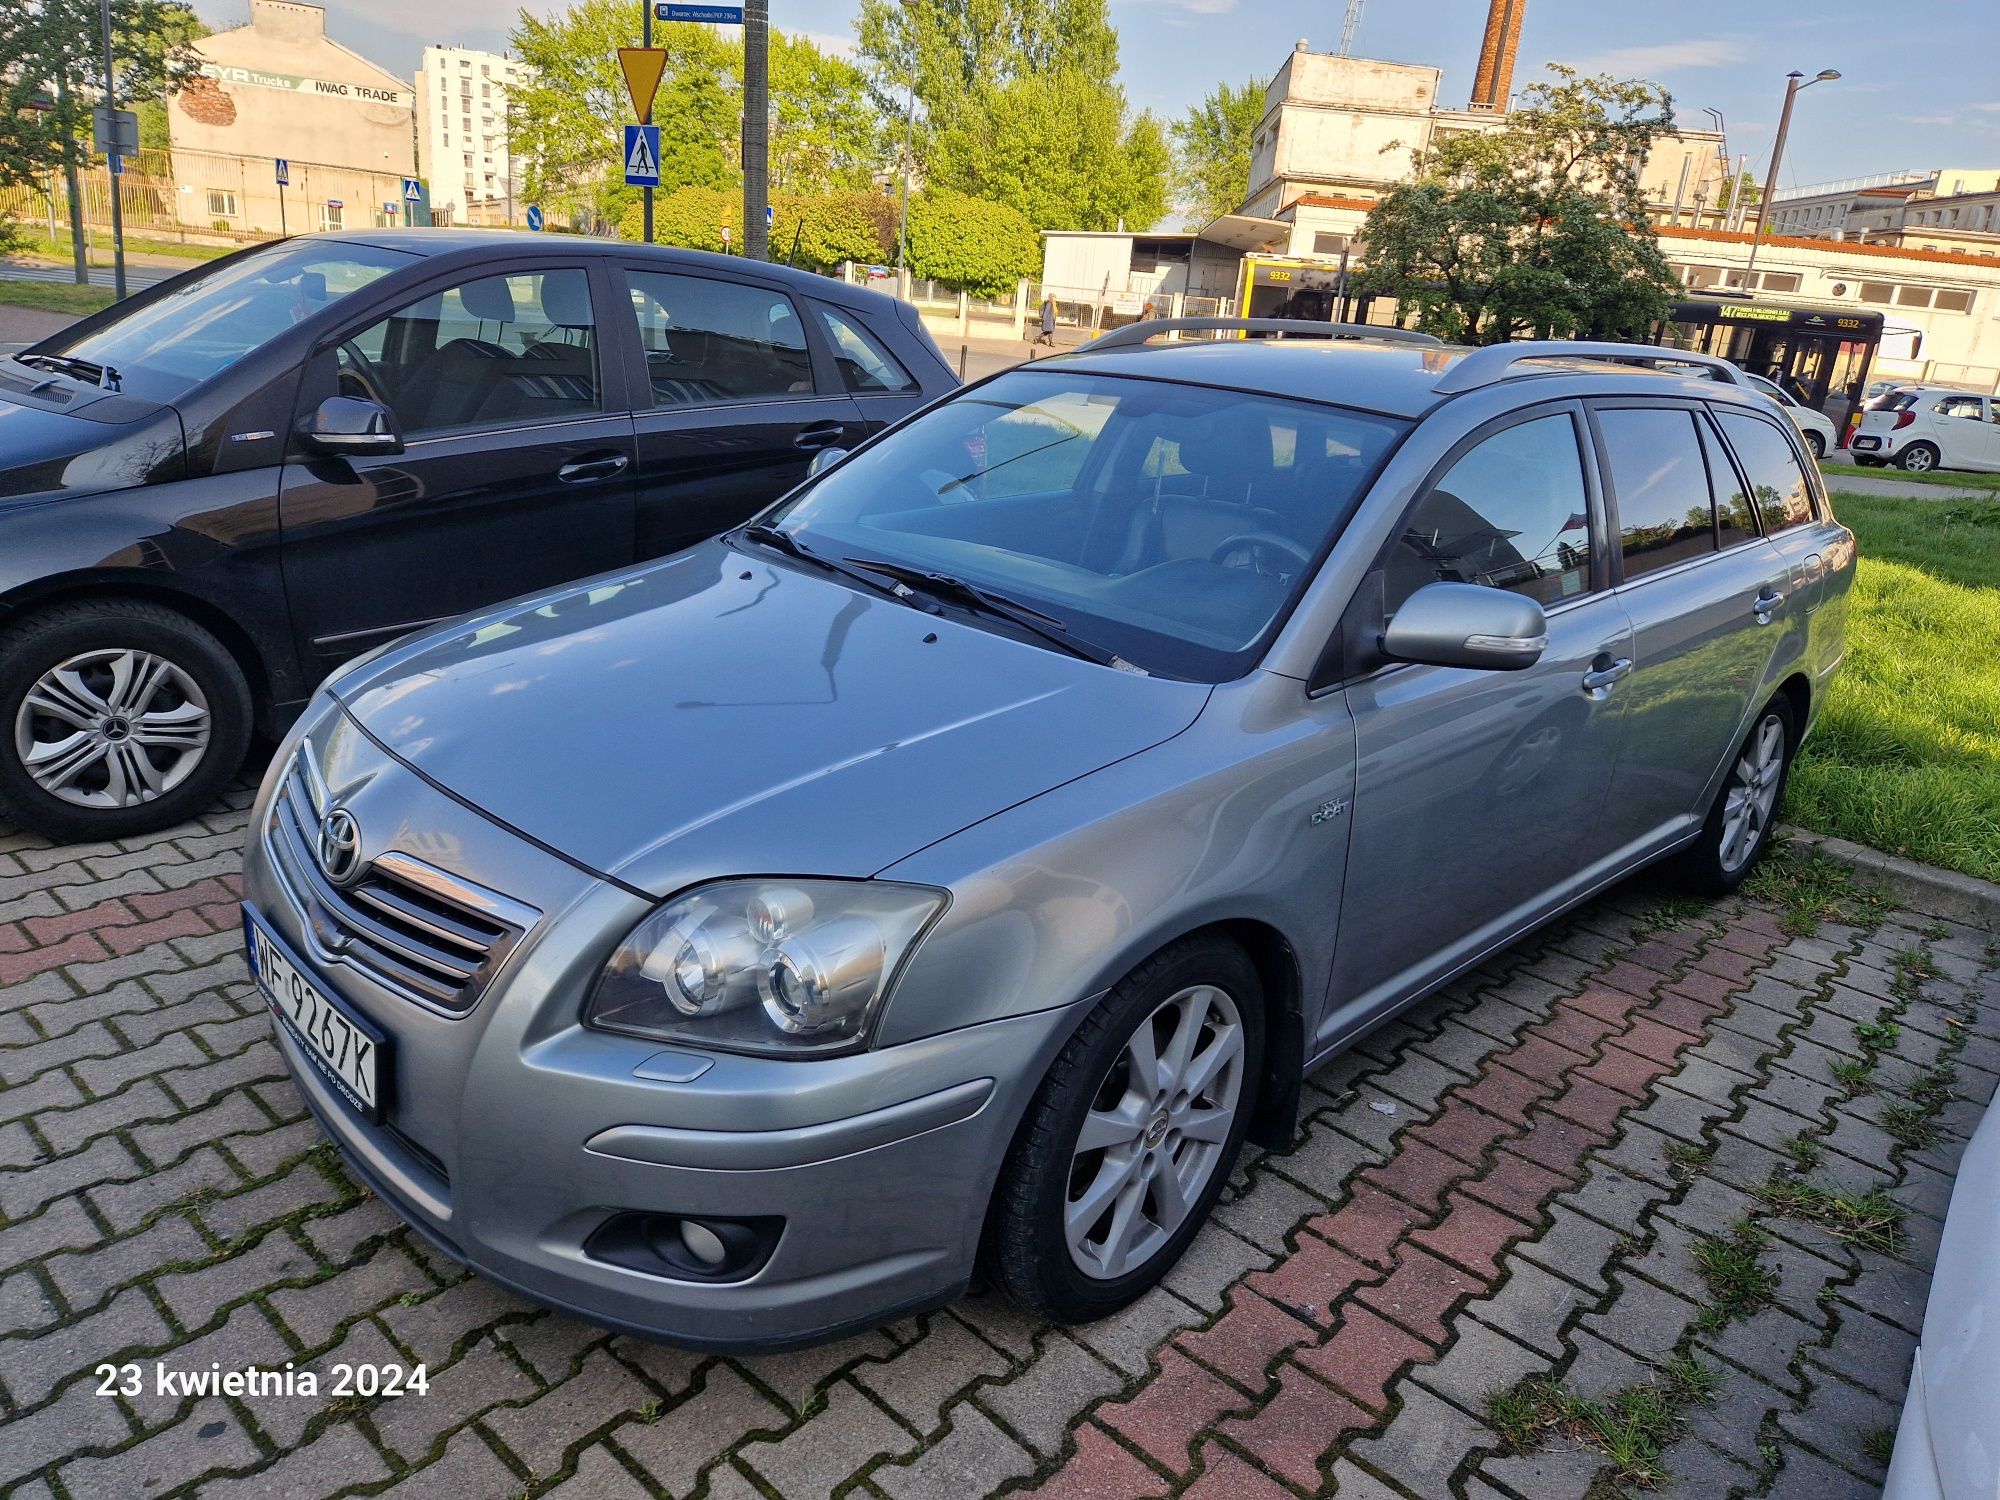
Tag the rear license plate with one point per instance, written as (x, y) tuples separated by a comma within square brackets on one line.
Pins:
[(1868, 443), (351, 1055)]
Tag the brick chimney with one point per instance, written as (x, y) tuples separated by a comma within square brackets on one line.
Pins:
[(1495, 79)]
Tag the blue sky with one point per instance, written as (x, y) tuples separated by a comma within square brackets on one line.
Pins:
[(1921, 85)]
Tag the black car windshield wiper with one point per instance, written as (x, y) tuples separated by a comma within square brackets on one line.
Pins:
[(80, 369), (779, 540), (944, 586)]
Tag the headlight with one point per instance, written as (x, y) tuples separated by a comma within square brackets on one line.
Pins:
[(784, 966)]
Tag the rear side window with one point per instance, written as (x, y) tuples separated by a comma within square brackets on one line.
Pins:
[(1666, 514), (1512, 513), (710, 342), (1735, 517), (865, 365), (1777, 483), (1961, 406)]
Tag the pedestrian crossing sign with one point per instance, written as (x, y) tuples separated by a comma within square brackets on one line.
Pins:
[(642, 156)]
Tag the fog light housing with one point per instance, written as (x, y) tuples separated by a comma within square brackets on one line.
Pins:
[(685, 1247)]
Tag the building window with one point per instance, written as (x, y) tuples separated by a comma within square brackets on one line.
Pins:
[(1958, 302), (332, 216), (1329, 244), (221, 203), (1913, 296), (1877, 291), (1779, 281)]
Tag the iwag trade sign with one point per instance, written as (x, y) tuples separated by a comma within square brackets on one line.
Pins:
[(361, 93)]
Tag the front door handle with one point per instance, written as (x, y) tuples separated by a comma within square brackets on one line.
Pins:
[(1767, 604), (585, 469), (1603, 674), (819, 435)]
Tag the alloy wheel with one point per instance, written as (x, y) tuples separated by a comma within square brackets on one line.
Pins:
[(1155, 1132), (1753, 793), (112, 728), (1918, 460)]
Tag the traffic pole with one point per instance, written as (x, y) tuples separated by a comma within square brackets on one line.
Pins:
[(756, 127), (646, 40), (111, 116)]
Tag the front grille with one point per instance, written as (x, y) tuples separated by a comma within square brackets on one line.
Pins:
[(420, 933)]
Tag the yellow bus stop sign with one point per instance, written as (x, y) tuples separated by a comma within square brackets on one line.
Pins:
[(643, 67)]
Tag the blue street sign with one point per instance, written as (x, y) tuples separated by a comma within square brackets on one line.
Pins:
[(642, 156), (535, 216), (770, 216), (117, 165), (413, 190), (392, 208), (284, 170), (714, 15)]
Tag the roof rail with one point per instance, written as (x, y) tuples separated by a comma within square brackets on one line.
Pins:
[(1493, 362), (1132, 335)]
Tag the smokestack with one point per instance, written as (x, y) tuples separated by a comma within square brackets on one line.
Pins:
[(1495, 78)]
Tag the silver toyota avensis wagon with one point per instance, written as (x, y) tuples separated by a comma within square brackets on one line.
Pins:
[(943, 875)]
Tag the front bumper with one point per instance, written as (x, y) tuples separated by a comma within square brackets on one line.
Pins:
[(512, 1134)]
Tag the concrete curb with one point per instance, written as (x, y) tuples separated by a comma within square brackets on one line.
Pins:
[(1922, 888)]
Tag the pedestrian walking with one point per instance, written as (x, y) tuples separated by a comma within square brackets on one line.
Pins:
[(1048, 334)]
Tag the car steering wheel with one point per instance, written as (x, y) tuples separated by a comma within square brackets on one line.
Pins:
[(1260, 544), (359, 371)]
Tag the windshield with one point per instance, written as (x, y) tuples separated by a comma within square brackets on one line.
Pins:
[(1171, 524), (171, 344)]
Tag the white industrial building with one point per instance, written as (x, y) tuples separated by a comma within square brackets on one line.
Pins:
[(463, 140)]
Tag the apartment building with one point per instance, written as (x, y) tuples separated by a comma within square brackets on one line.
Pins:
[(463, 138)]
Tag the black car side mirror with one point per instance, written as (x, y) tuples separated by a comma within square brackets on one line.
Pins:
[(351, 427)]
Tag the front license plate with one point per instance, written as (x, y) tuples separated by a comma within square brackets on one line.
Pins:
[(1867, 444), (350, 1054)]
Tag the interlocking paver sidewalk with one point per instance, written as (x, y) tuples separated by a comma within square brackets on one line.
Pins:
[(1516, 1190)]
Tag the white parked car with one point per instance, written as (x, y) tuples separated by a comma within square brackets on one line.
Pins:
[(1815, 427), (1925, 427)]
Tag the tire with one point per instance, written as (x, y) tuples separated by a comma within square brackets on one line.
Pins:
[(1718, 861), (1918, 458), (1030, 1252), (1867, 463), (1815, 445), (182, 734)]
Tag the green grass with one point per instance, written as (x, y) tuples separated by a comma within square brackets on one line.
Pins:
[(1632, 1427), (1738, 1283), (1906, 757), (54, 296), (28, 241), (1949, 479), (1809, 889), (1873, 1220)]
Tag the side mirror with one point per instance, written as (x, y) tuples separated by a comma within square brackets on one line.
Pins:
[(1467, 625), (351, 427), (823, 460)]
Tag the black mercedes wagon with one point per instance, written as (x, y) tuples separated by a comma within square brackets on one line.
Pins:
[(216, 491)]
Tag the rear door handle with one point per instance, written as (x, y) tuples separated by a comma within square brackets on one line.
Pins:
[(1767, 604), (819, 435), (585, 469), (1598, 681)]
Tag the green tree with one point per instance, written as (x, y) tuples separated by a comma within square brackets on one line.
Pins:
[(568, 115), (53, 55), (1743, 187), (1212, 150), (1016, 101), (825, 131), (813, 231), (1537, 228), (979, 247)]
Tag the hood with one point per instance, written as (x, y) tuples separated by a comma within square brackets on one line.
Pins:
[(718, 714), (76, 438)]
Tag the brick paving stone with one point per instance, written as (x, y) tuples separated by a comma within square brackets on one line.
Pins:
[(1564, 1471), (27, 1188), (1310, 1281), (541, 1431), (1763, 1344), (553, 1345), (210, 1437), (1471, 1234), (1127, 1339), (1041, 1402), (469, 1468), (1293, 1431), (125, 1205), (1424, 1443), (32, 1366), (687, 1438), (1167, 1413), (338, 1457), (85, 1278), (1479, 1362), (1517, 1187), (918, 1382), (1364, 1355), (1807, 1476), (599, 1476), (797, 1375), (82, 1420), (195, 1297), (480, 1379), (1247, 1339), (837, 1441), (1101, 1469), (431, 1328), (974, 1458), (1215, 1262), (1420, 1292), (1224, 1476), (1531, 1306)]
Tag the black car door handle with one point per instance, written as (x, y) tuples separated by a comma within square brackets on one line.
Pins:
[(592, 468), (819, 435)]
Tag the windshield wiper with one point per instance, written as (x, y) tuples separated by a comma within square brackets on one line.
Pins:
[(80, 369), (779, 540), (1046, 627)]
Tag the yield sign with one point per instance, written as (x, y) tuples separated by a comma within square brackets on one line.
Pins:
[(643, 67)]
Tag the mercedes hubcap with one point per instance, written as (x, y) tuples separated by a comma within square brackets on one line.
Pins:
[(1155, 1133), (1752, 794), (113, 728)]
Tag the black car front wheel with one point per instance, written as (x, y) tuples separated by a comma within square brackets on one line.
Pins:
[(1131, 1136), (117, 717)]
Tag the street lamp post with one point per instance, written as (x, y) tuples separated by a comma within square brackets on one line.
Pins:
[(1792, 87)]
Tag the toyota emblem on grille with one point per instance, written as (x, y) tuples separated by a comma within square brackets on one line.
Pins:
[(339, 845)]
